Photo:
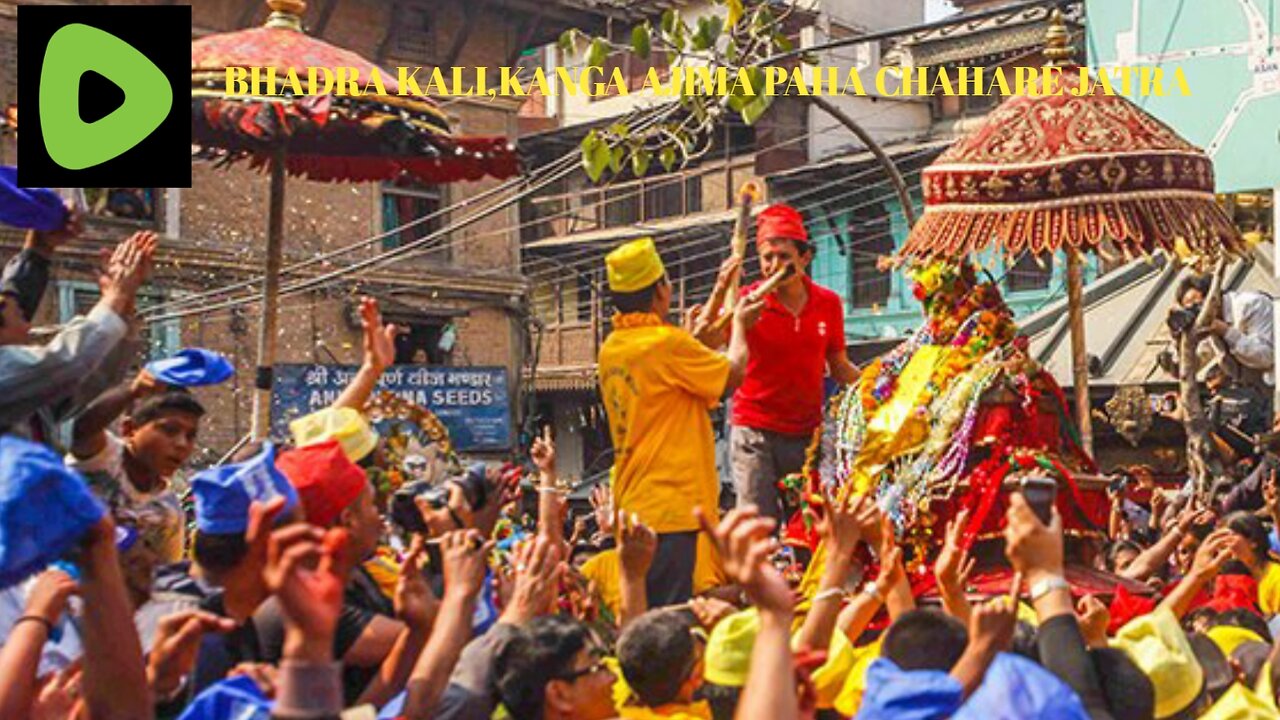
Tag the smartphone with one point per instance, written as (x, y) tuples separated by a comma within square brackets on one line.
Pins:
[(1040, 493)]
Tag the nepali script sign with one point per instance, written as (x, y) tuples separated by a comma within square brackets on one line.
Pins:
[(471, 401)]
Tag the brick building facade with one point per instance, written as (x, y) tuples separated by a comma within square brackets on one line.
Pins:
[(214, 232)]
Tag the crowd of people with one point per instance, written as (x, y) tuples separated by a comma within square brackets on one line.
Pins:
[(288, 589)]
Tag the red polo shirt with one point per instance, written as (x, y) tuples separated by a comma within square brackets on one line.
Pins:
[(783, 388)]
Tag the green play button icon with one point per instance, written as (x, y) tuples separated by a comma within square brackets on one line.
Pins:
[(75, 50)]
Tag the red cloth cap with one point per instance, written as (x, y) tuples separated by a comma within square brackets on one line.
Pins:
[(780, 221), (325, 478), (1126, 606)]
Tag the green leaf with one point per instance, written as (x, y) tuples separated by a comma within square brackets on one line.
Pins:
[(597, 53), (783, 42), (566, 41), (735, 12), (731, 51), (615, 158), (708, 32), (640, 160), (667, 157), (640, 40), (809, 58), (752, 111), (668, 23), (595, 155), (620, 129)]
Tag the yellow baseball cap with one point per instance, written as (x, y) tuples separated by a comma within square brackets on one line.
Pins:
[(728, 655), (343, 424), (634, 266), (1230, 637), (1160, 648)]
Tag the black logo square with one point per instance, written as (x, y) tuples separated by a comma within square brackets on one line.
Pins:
[(104, 96)]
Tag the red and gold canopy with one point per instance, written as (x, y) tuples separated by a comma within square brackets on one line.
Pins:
[(1059, 171), (329, 138)]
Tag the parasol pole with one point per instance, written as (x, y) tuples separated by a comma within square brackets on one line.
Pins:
[(270, 298), (1057, 53), (1079, 355)]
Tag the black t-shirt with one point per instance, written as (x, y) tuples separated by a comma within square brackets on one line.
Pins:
[(362, 602)]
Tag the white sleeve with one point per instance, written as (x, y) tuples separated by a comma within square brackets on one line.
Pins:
[(1250, 335), (109, 460)]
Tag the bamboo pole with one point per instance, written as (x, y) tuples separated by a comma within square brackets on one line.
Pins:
[(1079, 354), (270, 299)]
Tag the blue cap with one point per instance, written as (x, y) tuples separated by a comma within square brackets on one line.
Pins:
[(238, 697), (223, 494), (191, 367), (45, 509), (1015, 688), (30, 208), (896, 694)]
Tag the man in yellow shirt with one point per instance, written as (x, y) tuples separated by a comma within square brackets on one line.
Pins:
[(658, 384)]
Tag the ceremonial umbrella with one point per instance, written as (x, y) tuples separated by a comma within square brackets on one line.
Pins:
[(1071, 169), (325, 137)]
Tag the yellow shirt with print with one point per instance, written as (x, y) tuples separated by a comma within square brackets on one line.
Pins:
[(658, 383)]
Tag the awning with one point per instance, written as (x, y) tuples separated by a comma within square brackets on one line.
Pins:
[(565, 379)]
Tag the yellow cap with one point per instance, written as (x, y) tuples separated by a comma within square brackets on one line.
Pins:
[(1241, 703), (728, 654), (1230, 637), (634, 266), (1158, 646), (345, 425)]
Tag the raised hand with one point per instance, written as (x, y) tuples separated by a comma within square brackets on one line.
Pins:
[(173, 655), (841, 524), (537, 574), (543, 453), (414, 602), (464, 554), (58, 696), (637, 544), (1033, 548), (1094, 618), (746, 542), (991, 624), (379, 340), (49, 594), (602, 506), (1214, 552), (954, 564), (709, 611), (310, 599)]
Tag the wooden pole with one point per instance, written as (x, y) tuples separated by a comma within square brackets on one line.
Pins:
[(1079, 355), (270, 300)]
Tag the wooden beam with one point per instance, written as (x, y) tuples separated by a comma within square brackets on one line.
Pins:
[(326, 13), (470, 10), (248, 12), (526, 35), (380, 55)]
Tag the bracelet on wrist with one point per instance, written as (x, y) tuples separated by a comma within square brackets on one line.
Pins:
[(827, 594), (873, 590), (48, 626)]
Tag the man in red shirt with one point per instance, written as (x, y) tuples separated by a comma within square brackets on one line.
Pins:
[(797, 340)]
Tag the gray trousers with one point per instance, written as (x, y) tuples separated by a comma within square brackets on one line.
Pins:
[(759, 459), (670, 578)]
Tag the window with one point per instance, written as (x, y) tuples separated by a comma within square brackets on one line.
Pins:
[(669, 196), (405, 201), (424, 343), (1026, 274), (161, 339), (622, 206), (134, 204), (869, 238)]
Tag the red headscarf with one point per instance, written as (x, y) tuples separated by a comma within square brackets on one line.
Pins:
[(780, 221), (326, 480), (1126, 606)]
